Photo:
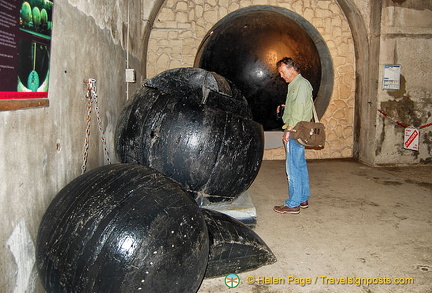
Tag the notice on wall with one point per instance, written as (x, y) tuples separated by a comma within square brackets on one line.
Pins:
[(25, 42), (411, 141), (391, 77)]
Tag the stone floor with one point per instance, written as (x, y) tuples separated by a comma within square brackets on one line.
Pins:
[(363, 224)]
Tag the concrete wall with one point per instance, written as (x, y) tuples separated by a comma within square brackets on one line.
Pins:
[(406, 39), (42, 148), (391, 32)]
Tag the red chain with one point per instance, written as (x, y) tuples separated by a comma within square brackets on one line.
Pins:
[(396, 121), (426, 125)]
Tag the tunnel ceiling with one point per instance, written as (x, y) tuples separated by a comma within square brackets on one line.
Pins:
[(244, 47)]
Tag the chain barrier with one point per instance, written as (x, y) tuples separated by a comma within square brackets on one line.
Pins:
[(92, 99), (426, 125), (396, 121)]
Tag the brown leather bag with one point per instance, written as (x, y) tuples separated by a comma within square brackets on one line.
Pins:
[(309, 134)]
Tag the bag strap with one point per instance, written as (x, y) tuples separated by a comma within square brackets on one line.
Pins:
[(314, 112)]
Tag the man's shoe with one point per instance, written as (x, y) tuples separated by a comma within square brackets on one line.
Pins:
[(304, 205), (286, 210)]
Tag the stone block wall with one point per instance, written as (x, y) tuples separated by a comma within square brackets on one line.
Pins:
[(180, 26)]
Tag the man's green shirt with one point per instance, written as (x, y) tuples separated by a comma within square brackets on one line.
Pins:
[(298, 104)]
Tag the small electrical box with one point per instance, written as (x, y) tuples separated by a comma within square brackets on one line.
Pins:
[(130, 75)]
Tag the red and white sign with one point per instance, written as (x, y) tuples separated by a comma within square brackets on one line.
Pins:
[(411, 141)]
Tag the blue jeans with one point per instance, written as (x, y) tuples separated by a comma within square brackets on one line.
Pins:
[(297, 174)]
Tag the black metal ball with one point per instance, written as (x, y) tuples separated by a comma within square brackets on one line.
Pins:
[(122, 228), (195, 127)]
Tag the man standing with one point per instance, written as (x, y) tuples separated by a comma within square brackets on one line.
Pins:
[(298, 107)]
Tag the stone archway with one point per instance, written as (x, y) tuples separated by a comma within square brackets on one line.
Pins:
[(366, 89)]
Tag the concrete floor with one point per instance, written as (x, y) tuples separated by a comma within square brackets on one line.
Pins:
[(362, 222)]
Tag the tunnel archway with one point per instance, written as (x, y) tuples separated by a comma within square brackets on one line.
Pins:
[(245, 45)]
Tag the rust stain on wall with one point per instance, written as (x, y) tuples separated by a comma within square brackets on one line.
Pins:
[(403, 109), (411, 107)]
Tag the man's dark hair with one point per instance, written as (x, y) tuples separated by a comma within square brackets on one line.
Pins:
[(289, 62)]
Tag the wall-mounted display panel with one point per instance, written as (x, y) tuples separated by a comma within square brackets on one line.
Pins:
[(25, 41)]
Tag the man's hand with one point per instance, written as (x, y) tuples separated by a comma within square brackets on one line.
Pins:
[(278, 109), (286, 135)]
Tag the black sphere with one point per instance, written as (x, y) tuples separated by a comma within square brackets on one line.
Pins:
[(244, 48), (195, 127), (122, 228)]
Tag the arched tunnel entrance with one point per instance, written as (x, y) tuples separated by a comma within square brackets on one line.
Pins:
[(245, 46)]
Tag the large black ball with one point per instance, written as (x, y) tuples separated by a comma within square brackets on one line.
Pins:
[(122, 228), (195, 127)]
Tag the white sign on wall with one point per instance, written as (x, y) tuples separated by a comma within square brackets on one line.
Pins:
[(411, 141), (391, 77)]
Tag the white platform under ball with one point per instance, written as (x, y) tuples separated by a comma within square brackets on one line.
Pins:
[(242, 209)]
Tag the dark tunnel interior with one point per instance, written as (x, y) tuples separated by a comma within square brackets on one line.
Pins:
[(244, 48)]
